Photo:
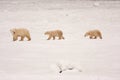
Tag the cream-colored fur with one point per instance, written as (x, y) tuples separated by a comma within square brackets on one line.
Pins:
[(20, 32), (54, 33), (93, 34)]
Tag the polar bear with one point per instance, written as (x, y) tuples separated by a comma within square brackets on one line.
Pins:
[(93, 34), (54, 33), (20, 32)]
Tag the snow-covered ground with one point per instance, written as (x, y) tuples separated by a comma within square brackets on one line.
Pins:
[(32, 60)]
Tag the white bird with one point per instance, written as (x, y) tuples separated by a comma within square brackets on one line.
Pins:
[(67, 67)]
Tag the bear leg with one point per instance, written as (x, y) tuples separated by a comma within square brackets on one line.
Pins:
[(22, 38), (63, 37), (95, 37), (14, 39), (100, 37), (28, 37), (49, 38), (91, 37), (53, 37), (59, 38)]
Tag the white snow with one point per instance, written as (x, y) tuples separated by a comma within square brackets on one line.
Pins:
[(32, 60)]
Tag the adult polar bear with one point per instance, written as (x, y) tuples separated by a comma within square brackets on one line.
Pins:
[(20, 32)]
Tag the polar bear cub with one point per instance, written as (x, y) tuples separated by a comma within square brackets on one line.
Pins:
[(54, 33), (93, 34)]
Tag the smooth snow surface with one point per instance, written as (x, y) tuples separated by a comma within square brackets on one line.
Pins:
[(36, 59)]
